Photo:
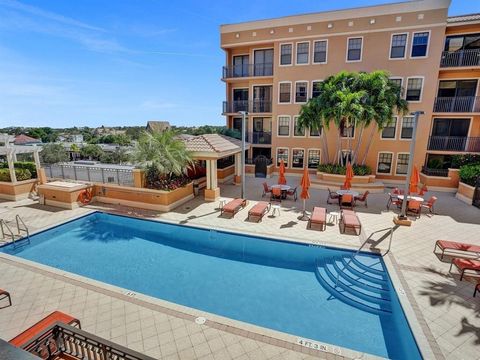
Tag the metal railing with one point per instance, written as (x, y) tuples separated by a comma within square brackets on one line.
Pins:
[(3, 226), (457, 104), (253, 106), (61, 339), (247, 70), (252, 161), (122, 177), (435, 172), (260, 137), (20, 229), (454, 143), (460, 58)]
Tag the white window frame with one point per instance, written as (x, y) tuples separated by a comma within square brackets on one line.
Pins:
[(287, 165), (295, 118), (308, 53), (421, 90), (396, 131), (396, 162), (401, 85), (308, 157), (284, 82), (304, 156), (361, 50), (314, 136), (311, 90), (313, 52), (401, 127), (378, 161), (289, 126), (391, 44), (280, 54), (354, 133), (428, 44), (295, 95)]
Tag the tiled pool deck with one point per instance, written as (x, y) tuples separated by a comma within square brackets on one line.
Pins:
[(447, 312)]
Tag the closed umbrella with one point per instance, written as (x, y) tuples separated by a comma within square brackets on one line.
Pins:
[(305, 184), (414, 180), (348, 176), (281, 178)]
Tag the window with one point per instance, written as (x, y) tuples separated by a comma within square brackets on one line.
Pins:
[(320, 52), (301, 92), (240, 66), (313, 158), (402, 164), (384, 163), (316, 132), (282, 154), (302, 53), (346, 156), (286, 54), (399, 43), (297, 130), (407, 127), (388, 131), (316, 88), (285, 93), (297, 158), (414, 89), (420, 44), (354, 52), (283, 125), (398, 82), (348, 131)]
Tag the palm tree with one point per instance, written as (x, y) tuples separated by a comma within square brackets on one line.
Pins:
[(163, 151)]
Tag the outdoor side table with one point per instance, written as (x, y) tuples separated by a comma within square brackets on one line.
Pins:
[(334, 217), (275, 208)]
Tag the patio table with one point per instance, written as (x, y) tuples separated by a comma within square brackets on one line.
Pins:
[(283, 188), (410, 197), (349, 192)]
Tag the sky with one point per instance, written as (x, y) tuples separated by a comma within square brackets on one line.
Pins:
[(70, 63)]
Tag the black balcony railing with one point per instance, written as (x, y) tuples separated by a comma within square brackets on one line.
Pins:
[(457, 104), (460, 58), (253, 106), (435, 172), (247, 70), (260, 137), (252, 161), (454, 143)]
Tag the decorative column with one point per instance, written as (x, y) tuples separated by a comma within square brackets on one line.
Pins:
[(212, 192), (11, 168), (238, 168)]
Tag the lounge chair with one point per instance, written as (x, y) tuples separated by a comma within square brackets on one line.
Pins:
[(5, 295), (332, 196), (259, 210), (466, 265), (233, 206), (414, 207), (457, 248), (429, 204), (362, 198), (347, 201), (349, 219), (477, 288), (318, 217), (276, 194), (266, 189), (43, 324), (292, 192)]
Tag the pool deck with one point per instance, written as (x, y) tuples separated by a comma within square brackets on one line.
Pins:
[(447, 313)]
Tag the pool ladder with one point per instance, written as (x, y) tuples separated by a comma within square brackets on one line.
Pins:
[(21, 227)]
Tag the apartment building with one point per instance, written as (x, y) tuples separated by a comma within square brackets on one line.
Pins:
[(274, 66)]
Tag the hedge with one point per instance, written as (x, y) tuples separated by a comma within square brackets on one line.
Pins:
[(359, 170), (28, 165), (469, 174), (21, 174)]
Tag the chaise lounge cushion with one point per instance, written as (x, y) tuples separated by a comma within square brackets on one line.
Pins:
[(233, 205), (454, 245), (319, 215), (467, 264), (258, 209)]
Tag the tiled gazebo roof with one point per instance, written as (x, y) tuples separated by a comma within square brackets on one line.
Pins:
[(214, 146)]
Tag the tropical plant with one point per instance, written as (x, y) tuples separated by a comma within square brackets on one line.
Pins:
[(359, 170), (460, 160), (53, 153), (20, 174), (469, 174), (91, 152), (119, 156)]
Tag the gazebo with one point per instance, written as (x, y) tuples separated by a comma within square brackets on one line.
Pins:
[(211, 147), (11, 151)]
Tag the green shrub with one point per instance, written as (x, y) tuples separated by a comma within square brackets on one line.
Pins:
[(459, 160), (435, 164), (28, 165), (21, 174), (359, 170), (470, 173)]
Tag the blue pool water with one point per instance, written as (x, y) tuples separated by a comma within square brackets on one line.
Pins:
[(280, 285)]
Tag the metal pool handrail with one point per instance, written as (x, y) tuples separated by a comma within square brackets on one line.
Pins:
[(25, 228), (4, 224)]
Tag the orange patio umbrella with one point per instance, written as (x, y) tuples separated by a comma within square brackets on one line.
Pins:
[(281, 178), (348, 176), (305, 184), (414, 180)]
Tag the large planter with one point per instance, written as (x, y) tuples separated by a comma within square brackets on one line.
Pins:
[(61, 194), (225, 174), (18, 190), (465, 193), (340, 179), (445, 183), (150, 199)]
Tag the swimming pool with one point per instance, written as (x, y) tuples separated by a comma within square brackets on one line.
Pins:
[(308, 291)]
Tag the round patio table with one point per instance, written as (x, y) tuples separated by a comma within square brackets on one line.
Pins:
[(283, 188), (347, 192), (410, 197)]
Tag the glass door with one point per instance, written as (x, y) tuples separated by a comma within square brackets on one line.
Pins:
[(262, 99), (263, 62), (240, 66)]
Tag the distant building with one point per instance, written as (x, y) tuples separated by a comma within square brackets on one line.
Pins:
[(23, 139), (157, 126), (77, 138)]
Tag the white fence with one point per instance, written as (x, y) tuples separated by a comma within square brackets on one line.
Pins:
[(108, 175)]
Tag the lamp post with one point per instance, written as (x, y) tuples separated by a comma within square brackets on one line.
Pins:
[(416, 115), (244, 116)]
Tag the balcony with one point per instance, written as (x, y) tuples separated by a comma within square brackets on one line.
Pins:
[(252, 106), (260, 137), (454, 143), (460, 58), (247, 70), (435, 172), (459, 104)]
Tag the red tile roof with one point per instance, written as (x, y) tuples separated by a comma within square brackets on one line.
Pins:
[(23, 139)]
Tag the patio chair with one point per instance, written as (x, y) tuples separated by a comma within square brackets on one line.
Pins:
[(397, 191), (464, 265), (332, 196), (362, 198), (456, 248), (347, 201), (276, 194), (423, 190), (414, 207), (5, 295), (293, 192), (233, 206), (266, 189), (349, 219), (318, 217), (34, 330), (393, 200), (259, 211), (429, 204), (477, 288)]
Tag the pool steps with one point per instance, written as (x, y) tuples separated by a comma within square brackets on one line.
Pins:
[(360, 281)]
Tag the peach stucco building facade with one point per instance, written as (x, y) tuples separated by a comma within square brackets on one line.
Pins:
[(272, 66)]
